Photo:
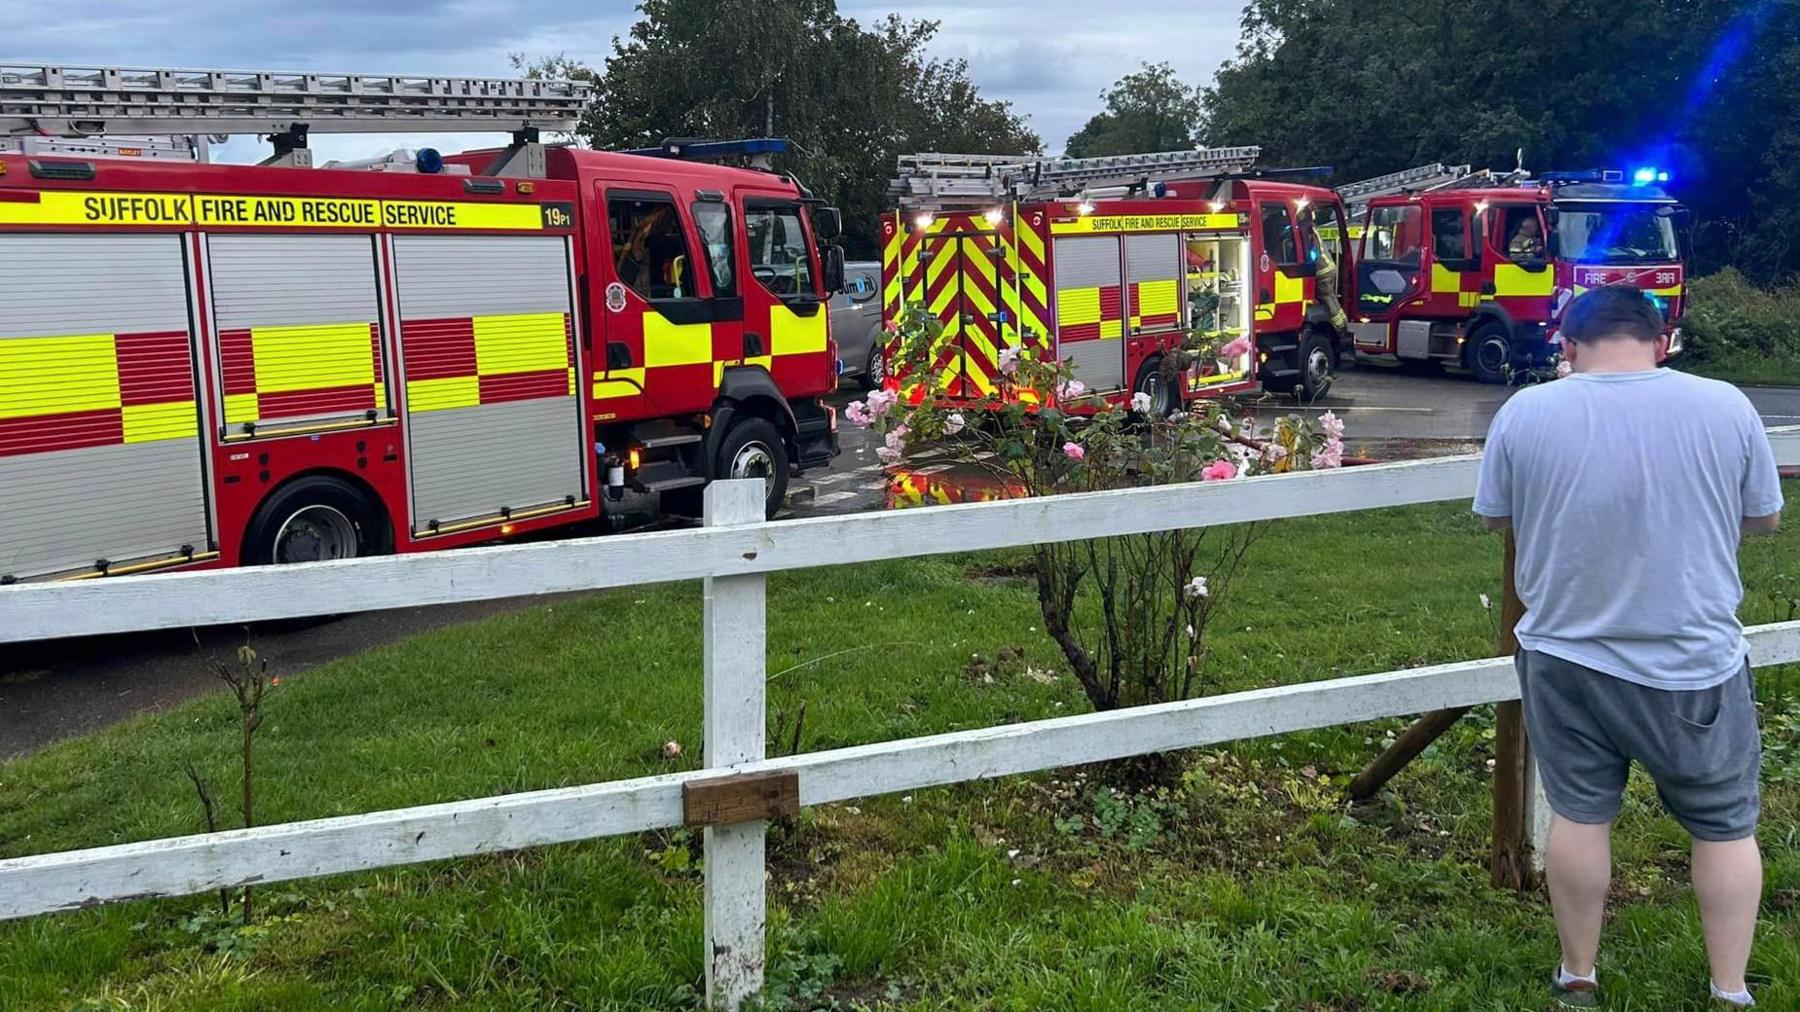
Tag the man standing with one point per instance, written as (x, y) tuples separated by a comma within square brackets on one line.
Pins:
[(1628, 488)]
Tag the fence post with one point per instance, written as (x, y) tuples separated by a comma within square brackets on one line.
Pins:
[(1518, 819), (733, 732)]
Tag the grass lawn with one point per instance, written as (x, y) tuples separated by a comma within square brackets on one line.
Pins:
[(1248, 887), (1746, 367)]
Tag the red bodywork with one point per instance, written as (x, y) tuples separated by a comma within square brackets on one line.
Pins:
[(1031, 276), (648, 380), (1438, 277)]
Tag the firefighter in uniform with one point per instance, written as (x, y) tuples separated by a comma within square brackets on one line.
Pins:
[(1527, 240), (1327, 279)]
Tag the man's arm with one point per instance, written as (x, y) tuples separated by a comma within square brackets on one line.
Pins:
[(1761, 488), (1762, 525), (1502, 523)]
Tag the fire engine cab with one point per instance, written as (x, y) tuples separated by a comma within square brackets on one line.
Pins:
[(1473, 268), (1136, 269), (205, 364)]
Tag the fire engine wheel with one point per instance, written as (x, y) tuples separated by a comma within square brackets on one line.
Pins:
[(313, 519), (1152, 382), (753, 449), (1318, 366), (1489, 353), (875, 370)]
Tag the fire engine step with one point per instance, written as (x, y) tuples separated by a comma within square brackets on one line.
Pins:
[(672, 439), (672, 484)]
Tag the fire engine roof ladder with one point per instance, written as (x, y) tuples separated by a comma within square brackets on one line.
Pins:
[(933, 181), (68, 101), (1422, 179)]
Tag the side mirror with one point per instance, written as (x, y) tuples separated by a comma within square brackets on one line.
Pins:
[(831, 268), (1303, 269), (828, 222)]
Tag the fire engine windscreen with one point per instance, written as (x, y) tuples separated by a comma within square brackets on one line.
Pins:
[(1616, 233)]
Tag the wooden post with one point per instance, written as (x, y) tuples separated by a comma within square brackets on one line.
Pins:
[(1405, 749), (1513, 862), (734, 724)]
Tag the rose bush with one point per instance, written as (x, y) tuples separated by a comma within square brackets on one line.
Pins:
[(1128, 613)]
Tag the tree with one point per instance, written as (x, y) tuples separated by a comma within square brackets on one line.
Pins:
[(1151, 110), (851, 98), (1704, 89)]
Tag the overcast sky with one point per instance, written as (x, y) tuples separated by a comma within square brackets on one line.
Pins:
[(1051, 58)]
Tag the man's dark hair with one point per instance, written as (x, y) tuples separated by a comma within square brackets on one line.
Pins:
[(1612, 311)]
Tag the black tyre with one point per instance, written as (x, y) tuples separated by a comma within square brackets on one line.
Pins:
[(1488, 354), (315, 519), (875, 369), (1318, 365), (753, 449), (1155, 382)]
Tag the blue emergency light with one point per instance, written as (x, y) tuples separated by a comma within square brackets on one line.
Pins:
[(1650, 174), (701, 150)]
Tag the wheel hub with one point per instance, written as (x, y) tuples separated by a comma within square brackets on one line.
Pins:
[(315, 534), (754, 460)]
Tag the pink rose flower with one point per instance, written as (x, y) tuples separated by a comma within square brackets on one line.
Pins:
[(1073, 451), (1219, 470), (858, 413), (1332, 425), (1329, 456), (887, 455), (1009, 360), (954, 423), (1236, 348), (880, 401), (1070, 390), (1140, 402)]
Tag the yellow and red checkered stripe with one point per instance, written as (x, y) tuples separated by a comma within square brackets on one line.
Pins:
[(1091, 313), (464, 362), (289, 372), (1155, 304), (71, 391)]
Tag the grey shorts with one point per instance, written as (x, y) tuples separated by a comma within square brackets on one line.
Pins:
[(1701, 747)]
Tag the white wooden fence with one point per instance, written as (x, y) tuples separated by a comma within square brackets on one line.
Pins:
[(732, 553)]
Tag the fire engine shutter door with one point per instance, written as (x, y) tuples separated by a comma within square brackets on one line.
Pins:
[(1089, 310), (488, 359), (100, 452), (1153, 273), (296, 327)]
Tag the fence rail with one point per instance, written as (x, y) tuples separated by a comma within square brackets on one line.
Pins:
[(732, 554)]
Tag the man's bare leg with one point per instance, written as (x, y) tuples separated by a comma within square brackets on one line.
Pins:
[(1578, 868), (1728, 883)]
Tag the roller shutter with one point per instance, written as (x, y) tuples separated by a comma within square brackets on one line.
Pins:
[(100, 450), (488, 357), (1090, 310), (297, 329)]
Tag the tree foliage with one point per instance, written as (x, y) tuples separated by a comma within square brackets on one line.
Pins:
[(1150, 110), (851, 97), (1704, 88)]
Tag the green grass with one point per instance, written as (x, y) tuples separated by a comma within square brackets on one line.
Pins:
[(1741, 333), (1248, 886), (1746, 368)]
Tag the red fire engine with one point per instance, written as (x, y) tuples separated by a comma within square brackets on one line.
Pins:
[(1473, 268), (213, 365), (1111, 264)]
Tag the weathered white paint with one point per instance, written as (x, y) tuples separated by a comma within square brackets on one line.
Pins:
[(1537, 810), (195, 864), (255, 593), (734, 726)]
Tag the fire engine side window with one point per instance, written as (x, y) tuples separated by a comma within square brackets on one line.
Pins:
[(1392, 234), (1449, 234), (1279, 240), (1521, 234), (779, 258), (650, 252), (713, 219)]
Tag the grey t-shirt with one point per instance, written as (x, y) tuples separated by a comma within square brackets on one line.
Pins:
[(1626, 493)]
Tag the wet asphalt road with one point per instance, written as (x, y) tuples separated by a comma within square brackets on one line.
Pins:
[(51, 691)]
